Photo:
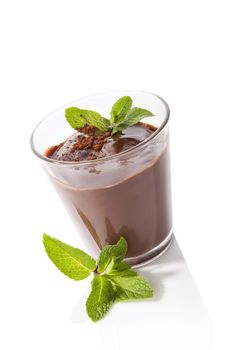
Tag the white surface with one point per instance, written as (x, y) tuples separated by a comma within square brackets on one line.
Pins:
[(53, 52), (51, 314)]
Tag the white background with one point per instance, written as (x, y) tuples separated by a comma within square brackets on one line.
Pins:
[(53, 52)]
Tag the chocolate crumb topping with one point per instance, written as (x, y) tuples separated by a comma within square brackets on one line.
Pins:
[(85, 144)]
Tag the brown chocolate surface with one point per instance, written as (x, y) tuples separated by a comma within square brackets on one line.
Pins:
[(79, 146)]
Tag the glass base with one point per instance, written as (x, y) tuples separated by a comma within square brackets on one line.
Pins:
[(151, 255)]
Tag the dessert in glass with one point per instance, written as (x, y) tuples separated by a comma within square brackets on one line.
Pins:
[(112, 185)]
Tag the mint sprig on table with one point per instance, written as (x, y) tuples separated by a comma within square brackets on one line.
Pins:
[(114, 280), (122, 116)]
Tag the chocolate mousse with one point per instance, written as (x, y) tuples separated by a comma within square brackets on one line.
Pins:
[(84, 145), (129, 196)]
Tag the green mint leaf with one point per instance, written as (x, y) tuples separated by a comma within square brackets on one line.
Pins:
[(138, 114), (120, 109), (78, 118), (73, 262), (131, 287), (122, 117), (114, 281), (133, 117), (122, 269), (112, 254), (101, 298)]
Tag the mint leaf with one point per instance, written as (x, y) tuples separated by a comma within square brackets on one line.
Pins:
[(78, 118), (138, 114), (130, 286), (101, 298), (133, 117), (122, 117), (111, 254), (73, 262), (122, 269), (120, 108), (114, 281)]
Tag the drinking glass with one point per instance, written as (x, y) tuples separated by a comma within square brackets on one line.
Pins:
[(127, 194)]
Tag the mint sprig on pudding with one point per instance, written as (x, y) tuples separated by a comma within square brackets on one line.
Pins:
[(98, 137)]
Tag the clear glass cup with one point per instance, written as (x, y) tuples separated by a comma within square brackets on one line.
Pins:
[(127, 194)]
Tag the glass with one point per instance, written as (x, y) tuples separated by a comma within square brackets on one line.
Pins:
[(127, 194)]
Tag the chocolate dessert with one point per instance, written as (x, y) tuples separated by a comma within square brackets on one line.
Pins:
[(82, 146), (138, 206)]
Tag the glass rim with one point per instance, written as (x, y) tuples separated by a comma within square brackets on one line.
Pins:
[(114, 156)]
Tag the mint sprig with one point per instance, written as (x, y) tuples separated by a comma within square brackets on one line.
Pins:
[(114, 280), (122, 116)]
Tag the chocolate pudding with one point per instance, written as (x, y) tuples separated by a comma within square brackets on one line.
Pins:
[(134, 203), (85, 145)]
